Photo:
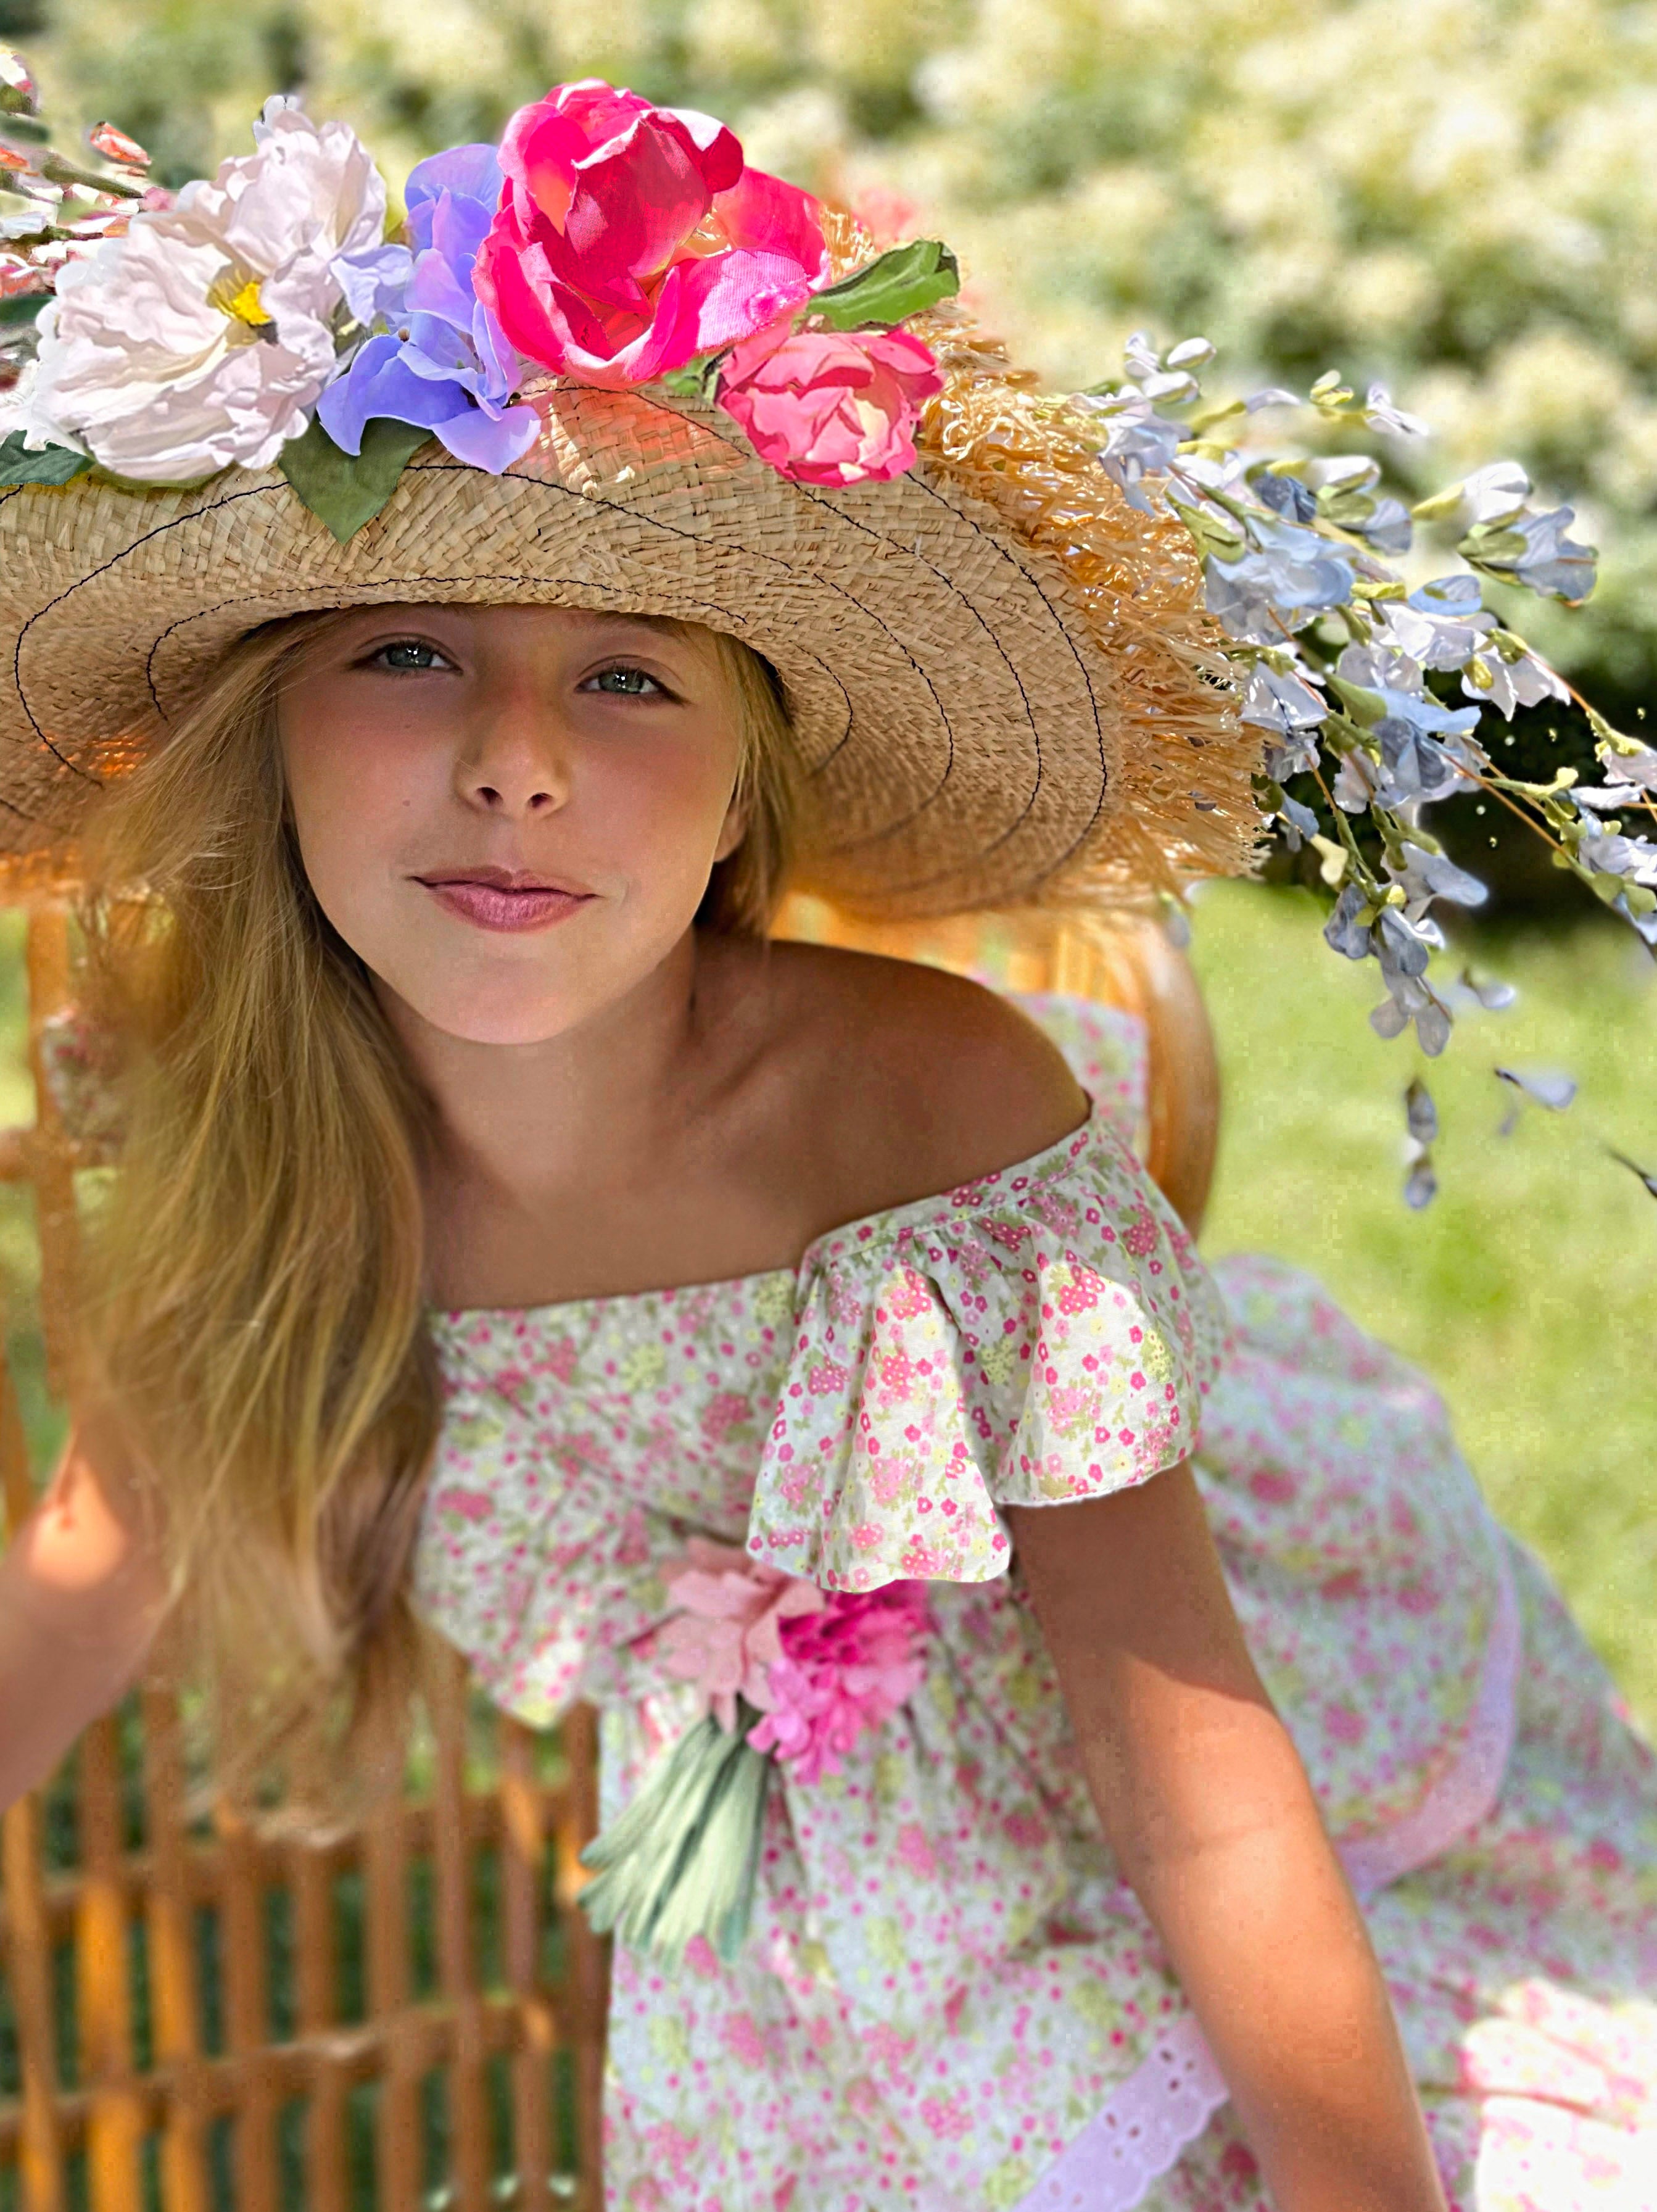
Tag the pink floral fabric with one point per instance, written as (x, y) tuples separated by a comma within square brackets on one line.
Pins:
[(950, 1999)]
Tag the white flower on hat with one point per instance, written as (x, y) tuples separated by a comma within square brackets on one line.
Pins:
[(202, 335)]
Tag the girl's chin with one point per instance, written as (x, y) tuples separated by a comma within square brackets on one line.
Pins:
[(471, 1015), (505, 1026)]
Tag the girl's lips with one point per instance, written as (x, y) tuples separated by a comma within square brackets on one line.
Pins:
[(499, 906)]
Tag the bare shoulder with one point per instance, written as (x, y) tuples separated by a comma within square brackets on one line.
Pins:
[(896, 1080)]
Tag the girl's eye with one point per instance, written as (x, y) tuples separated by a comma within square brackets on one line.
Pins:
[(622, 682), (409, 653)]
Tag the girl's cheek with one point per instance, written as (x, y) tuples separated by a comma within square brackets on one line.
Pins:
[(674, 796)]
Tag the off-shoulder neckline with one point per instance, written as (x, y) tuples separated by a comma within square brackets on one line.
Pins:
[(860, 1232)]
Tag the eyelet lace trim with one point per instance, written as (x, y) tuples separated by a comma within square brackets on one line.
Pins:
[(1161, 2109)]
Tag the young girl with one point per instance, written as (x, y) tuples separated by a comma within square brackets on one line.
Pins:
[(780, 1347)]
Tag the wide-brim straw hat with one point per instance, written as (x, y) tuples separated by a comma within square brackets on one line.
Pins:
[(1002, 683)]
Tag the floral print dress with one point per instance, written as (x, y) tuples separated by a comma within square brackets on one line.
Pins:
[(950, 2000)]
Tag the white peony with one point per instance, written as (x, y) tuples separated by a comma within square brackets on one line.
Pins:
[(202, 335)]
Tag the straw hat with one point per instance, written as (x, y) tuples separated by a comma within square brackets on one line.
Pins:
[(1001, 682)]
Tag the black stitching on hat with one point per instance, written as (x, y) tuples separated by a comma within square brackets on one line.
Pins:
[(254, 491), (1002, 552), (659, 407)]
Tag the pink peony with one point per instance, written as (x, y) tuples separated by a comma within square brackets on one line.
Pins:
[(827, 408), (843, 1669), (727, 1636), (629, 237)]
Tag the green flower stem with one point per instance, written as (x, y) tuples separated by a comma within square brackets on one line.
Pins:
[(681, 1859)]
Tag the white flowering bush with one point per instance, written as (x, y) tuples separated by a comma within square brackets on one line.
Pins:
[(1456, 199), (1449, 200)]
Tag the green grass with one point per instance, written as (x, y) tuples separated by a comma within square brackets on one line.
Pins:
[(1529, 1289)]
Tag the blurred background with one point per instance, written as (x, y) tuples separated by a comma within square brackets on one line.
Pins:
[(1456, 197)]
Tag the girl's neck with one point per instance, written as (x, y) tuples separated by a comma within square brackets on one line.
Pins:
[(514, 1118), (618, 1155)]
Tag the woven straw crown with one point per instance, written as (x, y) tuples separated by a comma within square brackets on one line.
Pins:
[(1001, 681)]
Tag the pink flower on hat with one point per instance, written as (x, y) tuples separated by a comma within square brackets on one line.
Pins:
[(825, 407), (630, 237)]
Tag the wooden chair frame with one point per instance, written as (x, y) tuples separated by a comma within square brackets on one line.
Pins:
[(134, 2114)]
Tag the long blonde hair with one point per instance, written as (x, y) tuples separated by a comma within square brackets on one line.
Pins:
[(256, 1316)]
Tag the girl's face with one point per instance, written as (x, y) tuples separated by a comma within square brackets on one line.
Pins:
[(510, 814)]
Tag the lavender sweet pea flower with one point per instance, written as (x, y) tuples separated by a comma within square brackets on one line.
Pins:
[(1380, 414), (1635, 858), (446, 367), (1630, 778), (1262, 595), (1548, 561), (373, 281), (1389, 529), (1440, 625), (1417, 766), (1284, 703), (1427, 876), (1138, 442), (1344, 933), (1421, 753), (1402, 949)]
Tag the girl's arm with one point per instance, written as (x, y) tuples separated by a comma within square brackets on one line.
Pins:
[(1209, 1811), (81, 1593)]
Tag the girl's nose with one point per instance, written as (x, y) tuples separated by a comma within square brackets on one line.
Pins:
[(516, 762)]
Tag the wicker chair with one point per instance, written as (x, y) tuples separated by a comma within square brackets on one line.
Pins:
[(200, 2013)]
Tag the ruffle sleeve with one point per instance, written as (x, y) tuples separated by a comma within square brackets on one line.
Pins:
[(1044, 1335)]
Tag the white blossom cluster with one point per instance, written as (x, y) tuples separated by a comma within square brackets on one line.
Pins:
[(169, 335)]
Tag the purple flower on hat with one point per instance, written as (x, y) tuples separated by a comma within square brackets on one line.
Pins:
[(446, 366)]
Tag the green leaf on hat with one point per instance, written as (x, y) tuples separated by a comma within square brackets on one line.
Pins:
[(53, 464), (344, 490), (698, 379), (21, 309), (901, 283)]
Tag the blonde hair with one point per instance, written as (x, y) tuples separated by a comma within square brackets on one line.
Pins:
[(258, 1329)]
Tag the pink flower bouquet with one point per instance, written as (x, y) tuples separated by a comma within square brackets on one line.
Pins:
[(787, 1674), (606, 241), (820, 1669)]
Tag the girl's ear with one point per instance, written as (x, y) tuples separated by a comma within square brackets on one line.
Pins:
[(735, 828)]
